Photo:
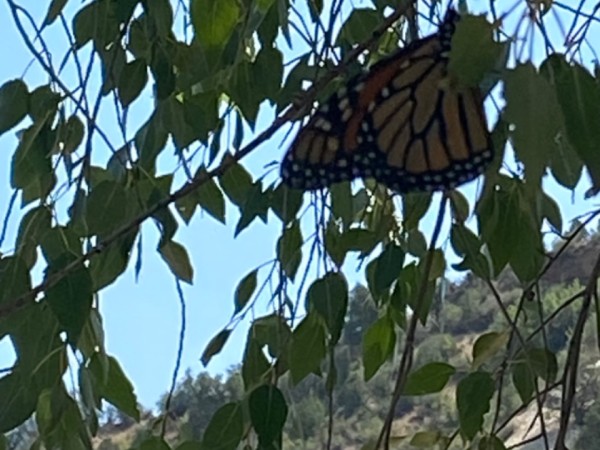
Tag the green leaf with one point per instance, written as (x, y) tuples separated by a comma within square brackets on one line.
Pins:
[(54, 10), (92, 335), (71, 134), (328, 296), (386, 268), (95, 21), (215, 346), (33, 226), (578, 94), (510, 228), (289, 249), (533, 109), (225, 429), (414, 207), (214, 22), (272, 331), (286, 202), (256, 205), (113, 58), (541, 362), (244, 291), (307, 348), (161, 14), (333, 244), (490, 443), (474, 51), (210, 198), (190, 445), (201, 113), (429, 379), (425, 439), (269, 27), (162, 69), (18, 401), (174, 116), (268, 69), (359, 240), (459, 206), (14, 279), (236, 182), (255, 365), (247, 100), (150, 139), (71, 301), (154, 443), (378, 345), (268, 411), (341, 202), (416, 244), (108, 207), (176, 257), (14, 98), (438, 265), (134, 77), (358, 27), (523, 379), (464, 241), (59, 420), (114, 386), (106, 266), (60, 246), (31, 164), (43, 104), (473, 395), (551, 211), (487, 346)]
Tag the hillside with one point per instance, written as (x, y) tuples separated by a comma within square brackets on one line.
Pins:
[(464, 311)]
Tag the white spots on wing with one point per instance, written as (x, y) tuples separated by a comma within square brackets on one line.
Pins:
[(323, 124)]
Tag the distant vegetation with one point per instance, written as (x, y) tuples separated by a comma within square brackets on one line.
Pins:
[(463, 311)]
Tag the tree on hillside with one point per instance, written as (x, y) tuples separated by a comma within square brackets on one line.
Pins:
[(150, 116)]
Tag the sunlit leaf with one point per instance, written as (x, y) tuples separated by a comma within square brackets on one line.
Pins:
[(428, 379), (378, 345)]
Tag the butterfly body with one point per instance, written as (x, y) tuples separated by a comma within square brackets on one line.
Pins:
[(402, 123)]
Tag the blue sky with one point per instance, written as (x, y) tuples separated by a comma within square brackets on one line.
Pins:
[(142, 318)]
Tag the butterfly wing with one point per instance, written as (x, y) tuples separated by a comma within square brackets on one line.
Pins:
[(402, 123)]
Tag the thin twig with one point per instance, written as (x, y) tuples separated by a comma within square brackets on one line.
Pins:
[(409, 345), (571, 365), (177, 361), (290, 114)]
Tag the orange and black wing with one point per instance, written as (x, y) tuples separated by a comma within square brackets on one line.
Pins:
[(402, 123)]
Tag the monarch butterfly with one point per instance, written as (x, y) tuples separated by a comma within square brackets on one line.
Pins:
[(401, 124)]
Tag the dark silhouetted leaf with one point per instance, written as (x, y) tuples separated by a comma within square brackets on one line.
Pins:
[(215, 346), (329, 297), (268, 411), (244, 291), (132, 81), (14, 104), (308, 348)]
